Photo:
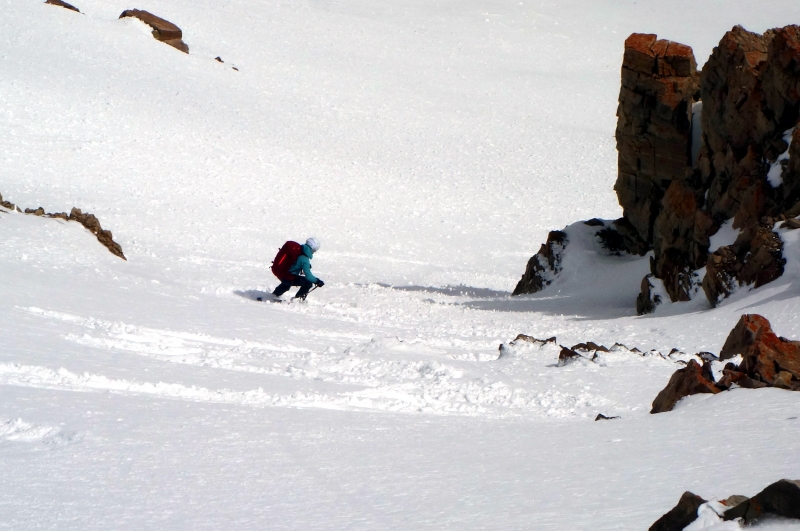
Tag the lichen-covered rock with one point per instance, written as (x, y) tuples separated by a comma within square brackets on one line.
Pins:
[(544, 265), (683, 514), (659, 81), (690, 380), (163, 30)]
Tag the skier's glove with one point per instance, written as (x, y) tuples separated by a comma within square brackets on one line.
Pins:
[(320, 283)]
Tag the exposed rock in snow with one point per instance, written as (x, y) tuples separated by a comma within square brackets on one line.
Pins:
[(89, 221), (690, 380), (62, 4), (544, 265), (755, 258), (683, 514), (163, 30), (741, 167), (782, 498), (764, 355)]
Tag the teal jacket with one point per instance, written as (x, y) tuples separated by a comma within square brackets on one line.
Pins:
[(303, 264)]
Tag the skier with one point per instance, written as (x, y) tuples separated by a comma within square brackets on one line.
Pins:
[(300, 273)]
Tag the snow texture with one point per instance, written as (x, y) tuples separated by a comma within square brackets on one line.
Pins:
[(430, 147)]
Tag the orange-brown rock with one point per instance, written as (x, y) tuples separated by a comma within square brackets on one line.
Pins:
[(163, 30), (764, 354), (690, 380), (659, 80), (62, 4)]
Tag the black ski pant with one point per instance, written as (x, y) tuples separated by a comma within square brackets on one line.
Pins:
[(303, 282)]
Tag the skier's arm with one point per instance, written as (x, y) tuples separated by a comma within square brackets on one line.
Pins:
[(307, 271)]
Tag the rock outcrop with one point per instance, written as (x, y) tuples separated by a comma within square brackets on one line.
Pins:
[(654, 127), (697, 149), (544, 265), (767, 361), (89, 221), (65, 5), (683, 514), (163, 30), (781, 499)]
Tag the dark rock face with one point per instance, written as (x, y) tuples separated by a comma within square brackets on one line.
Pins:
[(755, 258), (690, 380), (62, 4), (764, 354), (782, 498), (543, 266), (163, 30), (659, 80), (681, 515)]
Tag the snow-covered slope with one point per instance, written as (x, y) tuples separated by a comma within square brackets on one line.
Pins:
[(430, 147)]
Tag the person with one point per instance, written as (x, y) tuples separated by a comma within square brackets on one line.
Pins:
[(301, 273)]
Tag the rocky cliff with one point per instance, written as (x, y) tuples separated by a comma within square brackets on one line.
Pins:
[(698, 150)]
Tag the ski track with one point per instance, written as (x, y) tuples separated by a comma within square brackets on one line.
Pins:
[(389, 381)]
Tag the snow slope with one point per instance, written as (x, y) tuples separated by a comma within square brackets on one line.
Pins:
[(430, 146)]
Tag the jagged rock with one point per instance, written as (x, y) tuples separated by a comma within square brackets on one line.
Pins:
[(690, 380), (764, 354), (755, 258), (659, 80), (62, 4), (544, 265), (36, 212), (681, 515), (621, 237), (163, 30), (782, 498)]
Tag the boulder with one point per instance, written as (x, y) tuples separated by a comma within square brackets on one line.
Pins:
[(163, 30), (65, 5), (690, 380), (544, 265), (782, 498), (681, 515), (764, 354), (654, 127)]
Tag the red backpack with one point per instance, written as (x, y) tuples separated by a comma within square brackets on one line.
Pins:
[(286, 257)]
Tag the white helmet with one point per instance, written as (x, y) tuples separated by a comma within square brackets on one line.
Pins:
[(313, 243)]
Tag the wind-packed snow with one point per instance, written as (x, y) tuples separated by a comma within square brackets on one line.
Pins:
[(430, 146)]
